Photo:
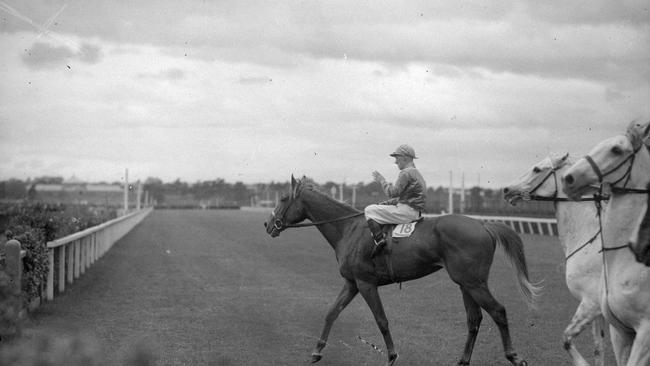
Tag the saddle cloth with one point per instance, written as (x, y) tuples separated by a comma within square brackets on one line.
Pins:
[(405, 230)]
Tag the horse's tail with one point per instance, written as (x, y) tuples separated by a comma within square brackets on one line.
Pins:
[(514, 247)]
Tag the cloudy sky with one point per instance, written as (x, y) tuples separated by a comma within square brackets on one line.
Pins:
[(255, 91)]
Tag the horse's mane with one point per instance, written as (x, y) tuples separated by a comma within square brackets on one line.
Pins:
[(308, 184)]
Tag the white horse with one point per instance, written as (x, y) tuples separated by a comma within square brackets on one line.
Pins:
[(623, 164), (640, 240), (579, 234)]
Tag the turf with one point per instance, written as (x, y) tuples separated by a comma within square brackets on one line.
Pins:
[(211, 288)]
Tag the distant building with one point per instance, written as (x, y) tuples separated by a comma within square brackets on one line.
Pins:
[(74, 191)]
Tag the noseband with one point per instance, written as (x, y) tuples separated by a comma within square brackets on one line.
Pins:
[(278, 222)]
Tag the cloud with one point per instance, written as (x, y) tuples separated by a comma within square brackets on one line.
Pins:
[(590, 11), (43, 55), (593, 40), (255, 80), (89, 54), (171, 74)]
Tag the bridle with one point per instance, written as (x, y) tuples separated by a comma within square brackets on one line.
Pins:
[(279, 225), (597, 197), (553, 172), (626, 176), (614, 188), (534, 197)]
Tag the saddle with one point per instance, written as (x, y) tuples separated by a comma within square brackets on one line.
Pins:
[(383, 262)]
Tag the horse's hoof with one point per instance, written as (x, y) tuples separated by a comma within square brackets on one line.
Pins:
[(391, 359), (522, 363), (315, 357), (463, 363)]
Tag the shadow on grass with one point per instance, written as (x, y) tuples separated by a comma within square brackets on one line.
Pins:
[(81, 350)]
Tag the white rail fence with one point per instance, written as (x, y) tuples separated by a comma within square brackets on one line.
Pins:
[(522, 225), (71, 255)]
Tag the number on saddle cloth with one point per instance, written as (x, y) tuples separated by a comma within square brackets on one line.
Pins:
[(405, 230)]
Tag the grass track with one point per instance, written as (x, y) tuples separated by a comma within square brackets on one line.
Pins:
[(211, 288)]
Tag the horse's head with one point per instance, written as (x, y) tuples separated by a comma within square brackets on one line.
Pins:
[(640, 240), (540, 180), (610, 161), (290, 210)]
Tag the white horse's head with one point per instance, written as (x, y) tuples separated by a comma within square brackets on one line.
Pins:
[(541, 180), (610, 161)]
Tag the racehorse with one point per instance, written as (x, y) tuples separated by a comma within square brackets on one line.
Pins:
[(462, 245), (622, 164), (579, 235), (640, 240)]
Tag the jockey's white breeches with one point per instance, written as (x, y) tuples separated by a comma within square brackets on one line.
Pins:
[(392, 214)]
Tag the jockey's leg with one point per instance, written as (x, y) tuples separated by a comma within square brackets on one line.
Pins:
[(375, 216), (378, 236)]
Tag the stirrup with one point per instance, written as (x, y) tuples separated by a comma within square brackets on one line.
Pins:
[(379, 246)]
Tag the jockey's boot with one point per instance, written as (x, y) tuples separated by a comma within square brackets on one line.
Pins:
[(378, 236)]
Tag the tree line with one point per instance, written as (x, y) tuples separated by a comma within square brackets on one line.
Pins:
[(219, 193)]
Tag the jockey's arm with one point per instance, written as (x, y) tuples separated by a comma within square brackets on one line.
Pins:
[(395, 190)]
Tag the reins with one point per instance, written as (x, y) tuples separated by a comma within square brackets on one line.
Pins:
[(316, 223), (620, 190)]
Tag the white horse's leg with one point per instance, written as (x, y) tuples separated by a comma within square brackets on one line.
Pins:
[(585, 314), (640, 354), (598, 332), (622, 345)]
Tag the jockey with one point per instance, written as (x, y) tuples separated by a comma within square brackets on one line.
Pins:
[(406, 197)]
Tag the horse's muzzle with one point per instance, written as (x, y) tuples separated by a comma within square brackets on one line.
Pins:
[(272, 230)]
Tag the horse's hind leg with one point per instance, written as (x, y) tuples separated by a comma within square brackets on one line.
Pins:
[(474, 318), (484, 298), (346, 295)]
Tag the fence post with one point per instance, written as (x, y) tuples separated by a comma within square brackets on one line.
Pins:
[(13, 268), (50, 274), (14, 265)]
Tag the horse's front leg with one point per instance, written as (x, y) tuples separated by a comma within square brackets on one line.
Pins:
[(371, 295), (586, 313), (621, 344), (348, 293)]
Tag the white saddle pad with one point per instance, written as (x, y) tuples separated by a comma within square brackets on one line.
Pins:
[(404, 230)]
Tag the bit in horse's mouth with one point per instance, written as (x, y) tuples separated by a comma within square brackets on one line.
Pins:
[(514, 199)]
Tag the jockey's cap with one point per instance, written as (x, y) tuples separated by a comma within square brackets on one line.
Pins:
[(404, 150)]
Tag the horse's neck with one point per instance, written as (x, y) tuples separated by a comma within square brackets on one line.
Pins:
[(322, 208), (577, 223), (624, 208)]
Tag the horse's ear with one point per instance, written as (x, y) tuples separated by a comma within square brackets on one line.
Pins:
[(557, 159), (634, 132), (565, 156), (294, 186)]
